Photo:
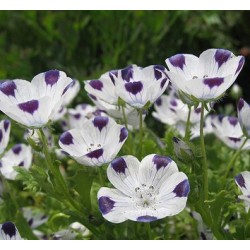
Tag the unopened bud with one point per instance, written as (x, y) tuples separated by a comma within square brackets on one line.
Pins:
[(236, 91), (182, 150)]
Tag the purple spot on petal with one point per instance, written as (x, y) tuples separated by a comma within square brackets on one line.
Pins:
[(111, 75), (134, 87), (77, 116), (51, 77), (220, 117), (8, 88), (95, 154), (240, 104), (177, 61), (146, 218), (92, 97), (30, 222), (119, 165), (17, 149), (234, 139), (105, 204), (240, 65), (21, 164), (213, 82), (96, 84), (176, 140), (1, 135), (240, 180), (6, 124), (66, 138), (123, 134), (197, 111), (1, 164), (163, 82), (158, 102), (221, 56), (182, 189), (173, 102), (127, 73), (100, 122), (9, 229), (158, 71), (161, 161), (233, 120), (29, 107), (68, 87)]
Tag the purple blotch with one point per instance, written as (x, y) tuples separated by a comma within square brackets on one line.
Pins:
[(6, 124), (92, 97), (100, 122), (30, 222), (240, 104), (77, 116), (119, 165), (233, 120), (17, 149), (95, 154), (178, 61), (176, 140), (68, 87), (234, 139), (29, 107), (163, 82), (158, 70), (51, 77), (105, 204), (213, 82), (161, 161), (111, 75), (127, 73), (21, 164), (221, 56), (96, 84), (197, 111), (173, 102), (9, 229), (240, 65), (146, 218), (8, 88), (240, 180), (66, 138), (158, 102), (1, 135), (182, 189), (134, 87), (123, 134)]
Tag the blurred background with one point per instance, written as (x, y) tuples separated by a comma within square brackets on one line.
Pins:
[(86, 44)]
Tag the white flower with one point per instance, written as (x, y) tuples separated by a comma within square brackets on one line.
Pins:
[(227, 129), (18, 156), (82, 113), (103, 93), (34, 103), (96, 143), (34, 216), (243, 182), (4, 134), (206, 77), (73, 90), (8, 231), (139, 86), (244, 116), (144, 191)]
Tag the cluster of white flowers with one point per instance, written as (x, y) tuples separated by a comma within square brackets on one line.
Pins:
[(144, 191)]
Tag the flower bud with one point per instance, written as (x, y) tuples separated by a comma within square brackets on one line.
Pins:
[(182, 150)]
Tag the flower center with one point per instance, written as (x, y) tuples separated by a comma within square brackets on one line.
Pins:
[(93, 146), (145, 196)]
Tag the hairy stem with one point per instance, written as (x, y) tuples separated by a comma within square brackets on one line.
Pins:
[(188, 123)]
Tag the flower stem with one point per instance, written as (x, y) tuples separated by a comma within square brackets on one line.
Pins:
[(235, 156), (149, 231), (141, 133), (188, 124), (124, 117), (204, 157)]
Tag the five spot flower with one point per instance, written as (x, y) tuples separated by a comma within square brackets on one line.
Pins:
[(244, 116), (4, 134), (205, 78), (96, 143), (34, 103), (144, 191), (8, 231)]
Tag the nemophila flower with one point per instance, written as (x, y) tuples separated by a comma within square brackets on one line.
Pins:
[(34, 103), (103, 94), (82, 113), (34, 216), (18, 156), (227, 129), (72, 92), (96, 143), (206, 77), (139, 86), (243, 182), (8, 231), (244, 116), (144, 191), (4, 134)]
